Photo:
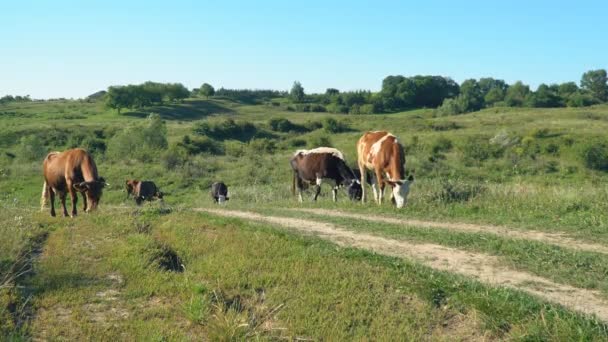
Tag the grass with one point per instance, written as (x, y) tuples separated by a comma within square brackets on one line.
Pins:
[(99, 276), (244, 280)]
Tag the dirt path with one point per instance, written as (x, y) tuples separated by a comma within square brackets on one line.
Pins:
[(482, 267), (557, 239)]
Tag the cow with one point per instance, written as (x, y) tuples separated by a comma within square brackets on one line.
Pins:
[(381, 152), (70, 172), (219, 192), (142, 190), (312, 166)]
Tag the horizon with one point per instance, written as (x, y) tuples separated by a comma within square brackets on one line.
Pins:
[(72, 50)]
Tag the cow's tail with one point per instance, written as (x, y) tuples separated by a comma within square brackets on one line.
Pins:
[(45, 196)]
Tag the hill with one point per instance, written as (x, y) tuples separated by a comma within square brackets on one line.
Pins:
[(527, 182)]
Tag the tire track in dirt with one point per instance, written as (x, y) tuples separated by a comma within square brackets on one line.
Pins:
[(483, 267), (557, 239)]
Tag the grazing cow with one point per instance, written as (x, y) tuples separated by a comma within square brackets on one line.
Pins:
[(142, 190), (219, 192), (381, 152), (70, 172), (323, 163)]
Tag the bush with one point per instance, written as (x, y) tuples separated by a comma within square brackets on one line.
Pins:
[(332, 125), (141, 143), (285, 126), (317, 108), (458, 192), (173, 158), (199, 145), (234, 148), (451, 107), (480, 149), (31, 148), (367, 109), (297, 143), (313, 125), (337, 108), (595, 156), (444, 126), (257, 146), (319, 141), (227, 129), (442, 144), (94, 146)]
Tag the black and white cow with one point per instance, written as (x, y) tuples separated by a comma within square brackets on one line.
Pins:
[(219, 192), (313, 166)]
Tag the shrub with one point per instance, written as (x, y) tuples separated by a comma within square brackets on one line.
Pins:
[(297, 143), (480, 149), (451, 107), (199, 145), (285, 126), (227, 129), (31, 148), (337, 108), (454, 191), (442, 144), (319, 141), (140, 142), (552, 148), (332, 125), (173, 158), (262, 146), (234, 148), (94, 145), (313, 125), (444, 126), (317, 108), (595, 156)]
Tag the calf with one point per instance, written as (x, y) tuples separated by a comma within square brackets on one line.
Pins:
[(312, 166), (142, 190), (219, 192)]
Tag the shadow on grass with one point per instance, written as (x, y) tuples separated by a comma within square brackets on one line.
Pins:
[(186, 111)]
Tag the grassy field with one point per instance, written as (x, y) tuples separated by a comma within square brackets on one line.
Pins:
[(166, 272)]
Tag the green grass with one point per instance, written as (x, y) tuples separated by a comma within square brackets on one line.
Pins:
[(538, 182), (249, 280)]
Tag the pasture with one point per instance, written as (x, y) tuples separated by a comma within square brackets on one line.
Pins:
[(503, 237)]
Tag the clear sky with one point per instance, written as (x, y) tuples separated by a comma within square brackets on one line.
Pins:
[(75, 48)]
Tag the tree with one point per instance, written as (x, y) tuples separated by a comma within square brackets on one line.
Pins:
[(544, 97), (207, 90), (332, 91), (516, 94), (297, 92), (494, 96), (471, 96), (595, 81), (565, 90)]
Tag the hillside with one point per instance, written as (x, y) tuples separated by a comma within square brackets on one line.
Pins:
[(515, 191)]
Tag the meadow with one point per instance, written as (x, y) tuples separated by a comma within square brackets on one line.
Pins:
[(522, 187)]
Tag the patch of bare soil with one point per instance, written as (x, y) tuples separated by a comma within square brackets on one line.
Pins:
[(558, 239), (482, 267)]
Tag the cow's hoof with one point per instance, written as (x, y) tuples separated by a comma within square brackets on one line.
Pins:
[(53, 214)]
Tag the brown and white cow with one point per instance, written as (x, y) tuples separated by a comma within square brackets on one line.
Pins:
[(71, 171), (381, 152), (142, 190), (313, 166)]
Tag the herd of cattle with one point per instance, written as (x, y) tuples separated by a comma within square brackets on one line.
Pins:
[(74, 171)]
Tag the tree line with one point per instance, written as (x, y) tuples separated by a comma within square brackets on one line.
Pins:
[(397, 93)]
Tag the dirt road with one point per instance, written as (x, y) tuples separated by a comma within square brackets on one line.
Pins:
[(483, 267)]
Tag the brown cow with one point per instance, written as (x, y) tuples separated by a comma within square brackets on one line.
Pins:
[(381, 152), (70, 172), (142, 190)]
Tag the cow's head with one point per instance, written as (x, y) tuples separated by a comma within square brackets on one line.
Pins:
[(401, 189), (354, 190), (93, 190)]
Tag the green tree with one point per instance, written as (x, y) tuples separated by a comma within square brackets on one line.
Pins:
[(207, 90), (471, 96), (544, 97), (297, 92), (595, 81), (565, 90), (516, 94)]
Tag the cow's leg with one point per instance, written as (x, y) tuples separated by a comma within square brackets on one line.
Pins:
[(84, 202), (363, 183), (318, 188), (375, 190), (299, 187), (73, 197), (52, 197), (334, 193), (62, 197), (380, 182)]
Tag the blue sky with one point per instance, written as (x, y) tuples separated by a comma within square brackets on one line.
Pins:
[(74, 48)]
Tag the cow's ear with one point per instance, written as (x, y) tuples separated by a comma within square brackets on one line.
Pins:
[(411, 178), (82, 186)]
